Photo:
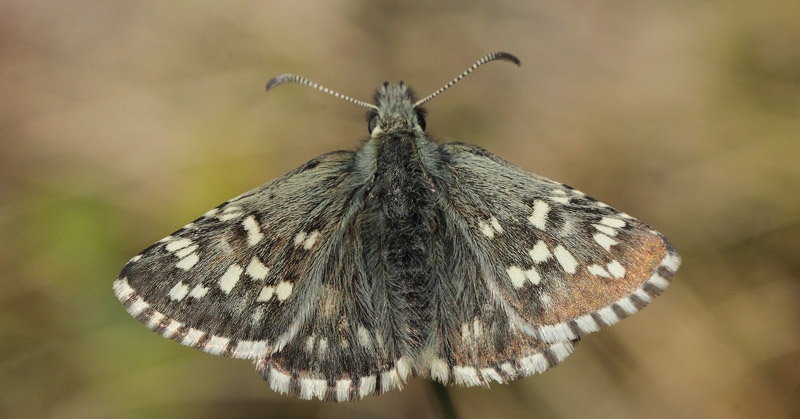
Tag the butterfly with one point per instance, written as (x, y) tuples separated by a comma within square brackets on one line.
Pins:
[(359, 269)]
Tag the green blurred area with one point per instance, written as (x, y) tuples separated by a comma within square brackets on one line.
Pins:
[(122, 121)]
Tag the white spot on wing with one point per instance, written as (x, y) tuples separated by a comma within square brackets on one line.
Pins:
[(486, 229), (300, 238), (248, 349), (265, 294), (599, 271), (178, 291), (256, 269), (491, 374), (343, 390), (177, 245), (155, 319), (466, 376), (440, 371), (188, 262), (642, 295), (532, 275), (389, 380), (658, 281), (539, 217), (311, 239), (608, 316), (565, 259), (516, 276), (254, 234), (402, 368), (279, 381), (216, 345), (587, 324), (532, 364), (363, 337), (229, 279), (604, 241), (540, 252), (627, 305), (616, 269), (171, 328), (367, 386), (257, 315), (186, 251), (508, 369), (613, 222), (605, 229), (561, 351), (199, 291), (546, 300), (556, 333), (310, 387), (477, 328), (283, 290), (229, 213), (192, 336), (671, 261), (122, 289), (496, 225), (137, 307)]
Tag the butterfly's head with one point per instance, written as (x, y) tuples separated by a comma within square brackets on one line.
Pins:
[(396, 110)]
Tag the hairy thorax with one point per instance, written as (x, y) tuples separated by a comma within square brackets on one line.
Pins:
[(400, 209)]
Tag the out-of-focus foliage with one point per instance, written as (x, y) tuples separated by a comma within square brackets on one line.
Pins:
[(121, 121)]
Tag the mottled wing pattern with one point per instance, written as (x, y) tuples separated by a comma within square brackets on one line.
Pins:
[(559, 263), (262, 277), (472, 341)]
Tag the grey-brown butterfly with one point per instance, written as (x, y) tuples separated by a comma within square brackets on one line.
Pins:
[(357, 270)]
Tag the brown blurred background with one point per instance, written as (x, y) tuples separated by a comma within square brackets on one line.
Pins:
[(120, 121)]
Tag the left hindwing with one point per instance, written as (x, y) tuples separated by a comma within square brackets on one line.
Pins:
[(560, 263)]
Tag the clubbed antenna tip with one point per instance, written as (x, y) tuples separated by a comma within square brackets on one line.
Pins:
[(503, 56), (291, 78)]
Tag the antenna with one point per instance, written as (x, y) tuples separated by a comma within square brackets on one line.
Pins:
[(488, 58), (291, 78)]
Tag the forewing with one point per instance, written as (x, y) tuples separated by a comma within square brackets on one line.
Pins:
[(261, 277), (560, 263)]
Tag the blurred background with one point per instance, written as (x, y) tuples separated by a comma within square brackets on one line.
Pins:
[(121, 121)]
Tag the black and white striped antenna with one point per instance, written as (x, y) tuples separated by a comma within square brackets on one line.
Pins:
[(291, 78), (488, 58)]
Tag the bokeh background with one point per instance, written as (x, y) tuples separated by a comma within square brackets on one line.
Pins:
[(120, 121)]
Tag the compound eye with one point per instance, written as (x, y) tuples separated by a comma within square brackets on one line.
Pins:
[(421, 120), (373, 123)]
